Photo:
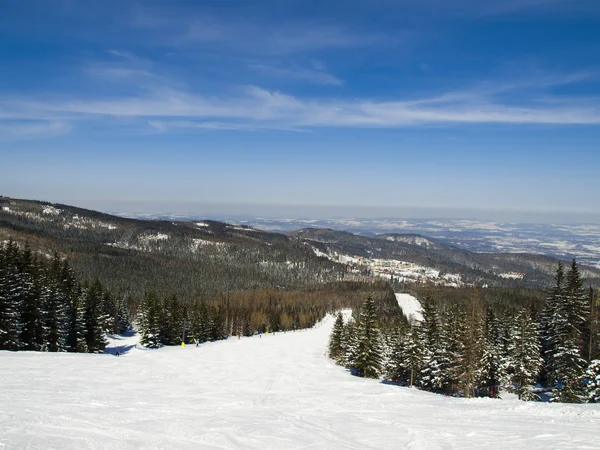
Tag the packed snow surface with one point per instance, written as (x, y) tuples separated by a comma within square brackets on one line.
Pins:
[(410, 306), (275, 392)]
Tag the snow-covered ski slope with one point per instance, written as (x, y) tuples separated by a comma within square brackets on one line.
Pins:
[(411, 307), (275, 392)]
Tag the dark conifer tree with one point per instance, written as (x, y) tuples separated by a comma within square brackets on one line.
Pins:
[(31, 336), (336, 347), (150, 319), (368, 352), (94, 318), (54, 306), (10, 297)]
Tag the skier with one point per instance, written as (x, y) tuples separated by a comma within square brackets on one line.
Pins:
[(118, 352), (197, 342)]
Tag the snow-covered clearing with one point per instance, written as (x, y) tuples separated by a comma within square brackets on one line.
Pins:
[(274, 392), (411, 307)]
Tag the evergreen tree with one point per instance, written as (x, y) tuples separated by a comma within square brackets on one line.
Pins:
[(149, 320), (123, 321), (75, 309), (368, 353), (94, 318), (336, 349), (467, 341), (593, 329), (172, 324), (433, 376), (10, 297), (206, 324), (524, 353), (54, 303), (566, 338), (591, 378), (396, 366), (350, 342), (108, 313), (76, 340), (31, 336), (407, 357), (492, 369), (547, 324)]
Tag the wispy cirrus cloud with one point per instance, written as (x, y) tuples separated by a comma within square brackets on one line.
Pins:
[(149, 98), (255, 36), (316, 74), (33, 128), (254, 108)]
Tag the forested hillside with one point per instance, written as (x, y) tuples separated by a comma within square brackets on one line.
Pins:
[(535, 271), (190, 260), (472, 346), (64, 270)]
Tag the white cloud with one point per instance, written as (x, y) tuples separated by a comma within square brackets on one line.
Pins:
[(164, 105), (34, 129), (317, 75)]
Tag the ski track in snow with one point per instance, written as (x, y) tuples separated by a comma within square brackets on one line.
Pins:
[(275, 392)]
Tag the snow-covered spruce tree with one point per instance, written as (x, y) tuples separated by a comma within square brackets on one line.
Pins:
[(54, 304), (407, 358), (94, 318), (395, 367), (492, 369), (566, 339), (435, 360), (466, 343), (76, 338), (593, 347), (591, 379), (368, 353), (336, 348), (31, 336), (350, 343), (10, 299), (524, 359), (108, 309), (555, 298), (195, 323), (388, 338), (149, 320), (172, 323), (123, 321)]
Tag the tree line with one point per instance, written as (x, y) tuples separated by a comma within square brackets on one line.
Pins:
[(171, 321), (470, 349), (44, 308)]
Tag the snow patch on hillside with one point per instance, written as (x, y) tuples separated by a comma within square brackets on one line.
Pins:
[(512, 275), (319, 253), (51, 211), (411, 307), (154, 237)]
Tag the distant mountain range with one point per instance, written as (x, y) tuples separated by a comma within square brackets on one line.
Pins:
[(492, 269), (199, 255), (562, 241)]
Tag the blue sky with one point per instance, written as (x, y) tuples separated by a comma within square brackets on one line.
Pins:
[(440, 105)]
